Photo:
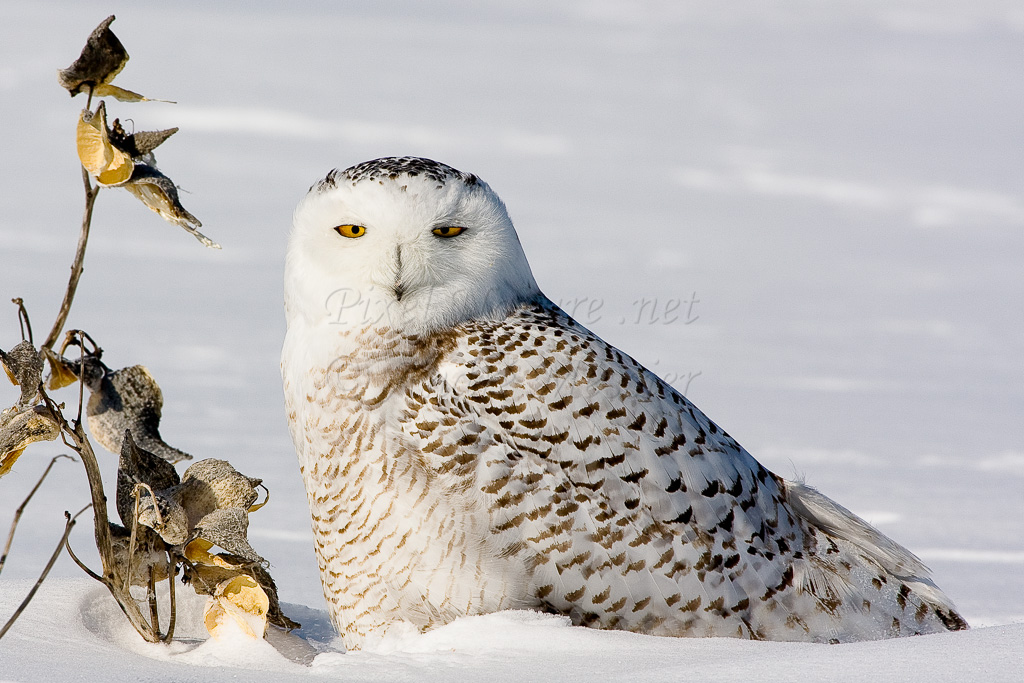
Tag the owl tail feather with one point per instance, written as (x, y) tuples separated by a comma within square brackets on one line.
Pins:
[(872, 547)]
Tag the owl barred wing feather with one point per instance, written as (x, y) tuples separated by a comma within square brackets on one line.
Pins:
[(466, 447), (637, 512)]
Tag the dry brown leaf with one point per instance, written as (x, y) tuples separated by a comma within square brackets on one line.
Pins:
[(105, 162), (204, 578), (207, 508)]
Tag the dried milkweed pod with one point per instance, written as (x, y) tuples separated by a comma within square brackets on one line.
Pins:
[(213, 484), (112, 156), (24, 367), (102, 58), (128, 398), (159, 193), (20, 427), (137, 466), (141, 144), (239, 604), (227, 529), (146, 558), (62, 373), (119, 159), (105, 162)]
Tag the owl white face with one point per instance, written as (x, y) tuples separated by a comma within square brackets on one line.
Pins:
[(403, 242)]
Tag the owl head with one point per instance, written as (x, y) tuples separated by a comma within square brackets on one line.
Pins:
[(404, 242)]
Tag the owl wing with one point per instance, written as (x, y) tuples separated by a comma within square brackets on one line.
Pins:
[(636, 510)]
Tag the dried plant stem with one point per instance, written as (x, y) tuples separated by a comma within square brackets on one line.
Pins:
[(74, 436), (104, 543), (131, 547), (154, 613), (76, 268), (24, 504), (46, 570), (81, 564), (171, 570), (23, 319)]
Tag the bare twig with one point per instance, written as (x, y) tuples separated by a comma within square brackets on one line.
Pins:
[(143, 486), (76, 268), (81, 376), (24, 503), (171, 571), (46, 570), (154, 613), (194, 577), (77, 337), (23, 319), (81, 564), (132, 540)]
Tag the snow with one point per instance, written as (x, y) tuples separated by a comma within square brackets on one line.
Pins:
[(508, 646), (806, 215)]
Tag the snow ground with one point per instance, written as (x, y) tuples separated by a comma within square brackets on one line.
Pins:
[(809, 218), (508, 646)]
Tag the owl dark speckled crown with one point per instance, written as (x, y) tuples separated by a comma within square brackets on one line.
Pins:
[(393, 167)]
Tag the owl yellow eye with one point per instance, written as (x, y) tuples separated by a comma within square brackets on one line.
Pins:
[(351, 230), (447, 231)]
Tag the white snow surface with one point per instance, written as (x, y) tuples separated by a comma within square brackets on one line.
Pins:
[(97, 644), (807, 216)]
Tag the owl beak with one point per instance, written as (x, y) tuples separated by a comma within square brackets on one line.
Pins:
[(398, 288)]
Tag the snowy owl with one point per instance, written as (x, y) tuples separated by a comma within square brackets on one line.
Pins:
[(468, 447)]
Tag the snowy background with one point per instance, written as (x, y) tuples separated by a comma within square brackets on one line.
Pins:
[(808, 216)]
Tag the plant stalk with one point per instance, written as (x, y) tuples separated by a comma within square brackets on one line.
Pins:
[(46, 570), (24, 504), (117, 586), (77, 266)]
